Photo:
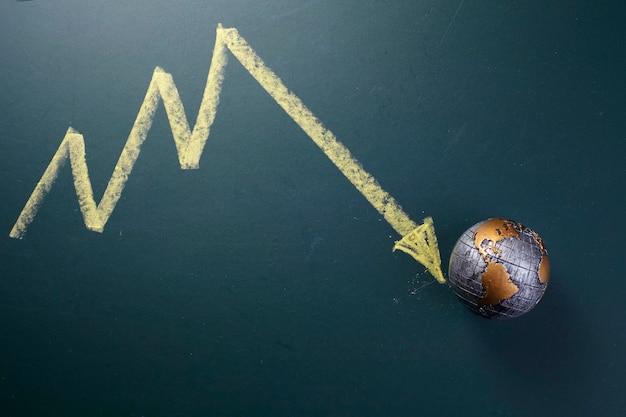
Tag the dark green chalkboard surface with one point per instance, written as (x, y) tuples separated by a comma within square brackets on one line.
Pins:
[(259, 280)]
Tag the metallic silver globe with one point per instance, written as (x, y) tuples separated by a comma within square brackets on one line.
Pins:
[(499, 268)]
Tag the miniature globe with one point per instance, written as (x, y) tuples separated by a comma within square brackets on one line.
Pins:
[(499, 268)]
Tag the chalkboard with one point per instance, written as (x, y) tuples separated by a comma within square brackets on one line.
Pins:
[(248, 207)]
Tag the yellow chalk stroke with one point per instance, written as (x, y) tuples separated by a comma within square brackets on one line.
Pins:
[(418, 241)]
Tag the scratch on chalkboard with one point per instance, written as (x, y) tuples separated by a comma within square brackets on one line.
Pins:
[(450, 24), (456, 138)]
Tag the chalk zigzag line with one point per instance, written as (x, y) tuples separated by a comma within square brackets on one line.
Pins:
[(418, 241)]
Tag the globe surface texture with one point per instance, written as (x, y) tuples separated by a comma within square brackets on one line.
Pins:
[(499, 268)]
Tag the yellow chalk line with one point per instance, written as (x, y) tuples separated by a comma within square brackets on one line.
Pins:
[(418, 241)]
